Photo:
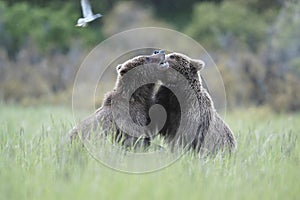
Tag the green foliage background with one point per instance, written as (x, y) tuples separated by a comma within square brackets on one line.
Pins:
[(255, 44)]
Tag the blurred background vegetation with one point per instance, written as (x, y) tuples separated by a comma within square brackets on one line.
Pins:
[(255, 44)]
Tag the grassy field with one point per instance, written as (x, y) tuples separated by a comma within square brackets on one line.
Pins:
[(36, 163)]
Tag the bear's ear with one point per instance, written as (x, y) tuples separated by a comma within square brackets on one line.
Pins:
[(197, 64)]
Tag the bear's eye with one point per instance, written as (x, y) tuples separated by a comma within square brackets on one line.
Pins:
[(156, 52), (119, 67), (172, 56)]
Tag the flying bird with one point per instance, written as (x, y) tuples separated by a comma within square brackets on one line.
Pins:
[(88, 14)]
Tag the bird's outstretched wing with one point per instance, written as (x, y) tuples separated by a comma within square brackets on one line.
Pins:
[(86, 8)]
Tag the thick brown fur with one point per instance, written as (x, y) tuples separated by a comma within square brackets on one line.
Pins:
[(102, 121), (213, 133)]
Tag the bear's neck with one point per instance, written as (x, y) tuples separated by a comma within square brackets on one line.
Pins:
[(201, 92), (195, 84), (143, 94)]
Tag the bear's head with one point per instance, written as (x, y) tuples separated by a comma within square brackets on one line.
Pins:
[(137, 61), (137, 70), (184, 65)]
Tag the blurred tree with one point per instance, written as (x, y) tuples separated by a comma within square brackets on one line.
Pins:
[(52, 30), (14, 27), (127, 15), (281, 57), (99, 6), (259, 5), (176, 12), (226, 25), (284, 43)]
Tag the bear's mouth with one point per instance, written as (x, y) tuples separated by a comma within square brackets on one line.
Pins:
[(161, 54), (164, 64)]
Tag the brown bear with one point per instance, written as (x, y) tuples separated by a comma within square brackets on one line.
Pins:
[(213, 133), (139, 104)]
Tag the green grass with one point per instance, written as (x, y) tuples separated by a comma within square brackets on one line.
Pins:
[(36, 162)]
